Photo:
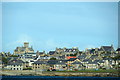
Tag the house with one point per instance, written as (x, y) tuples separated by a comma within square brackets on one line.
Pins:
[(69, 57), (67, 50), (85, 61), (118, 50), (77, 65), (60, 65), (24, 49), (59, 50), (4, 54), (15, 65), (61, 57), (100, 63), (27, 56), (107, 63), (40, 53), (82, 56), (92, 65), (42, 57), (1, 66), (94, 57), (52, 62), (70, 61), (40, 66), (57, 64), (106, 49), (51, 53)]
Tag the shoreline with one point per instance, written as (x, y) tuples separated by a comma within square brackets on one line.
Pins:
[(53, 73)]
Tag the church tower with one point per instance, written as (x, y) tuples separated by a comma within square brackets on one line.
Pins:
[(26, 44)]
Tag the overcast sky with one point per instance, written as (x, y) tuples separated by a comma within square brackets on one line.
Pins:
[(49, 25)]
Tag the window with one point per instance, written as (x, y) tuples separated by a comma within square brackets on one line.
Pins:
[(63, 67)]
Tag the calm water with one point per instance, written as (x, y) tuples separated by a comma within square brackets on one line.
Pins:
[(56, 78)]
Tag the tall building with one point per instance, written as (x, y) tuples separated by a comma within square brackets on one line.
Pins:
[(24, 49)]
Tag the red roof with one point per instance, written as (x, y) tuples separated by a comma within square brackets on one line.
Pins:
[(68, 57)]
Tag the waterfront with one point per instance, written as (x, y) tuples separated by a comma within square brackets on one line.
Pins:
[(57, 78), (85, 73)]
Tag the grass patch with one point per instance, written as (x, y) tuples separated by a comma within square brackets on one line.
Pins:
[(93, 71)]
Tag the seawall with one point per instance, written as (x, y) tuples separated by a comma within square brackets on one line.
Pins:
[(54, 73)]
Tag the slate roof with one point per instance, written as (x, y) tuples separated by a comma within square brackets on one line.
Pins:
[(86, 60), (82, 56), (70, 50), (29, 53), (52, 62), (93, 56), (36, 58), (109, 59), (77, 62), (40, 62), (16, 62), (92, 62), (63, 56), (72, 59), (41, 52), (99, 61), (31, 61), (107, 48), (51, 52), (64, 61), (11, 59), (92, 50), (61, 62), (118, 49), (96, 61)]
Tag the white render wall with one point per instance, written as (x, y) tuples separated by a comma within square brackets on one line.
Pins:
[(14, 67)]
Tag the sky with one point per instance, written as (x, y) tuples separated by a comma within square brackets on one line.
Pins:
[(47, 25)]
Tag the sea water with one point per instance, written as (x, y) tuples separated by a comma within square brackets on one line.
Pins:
[(57, 78)]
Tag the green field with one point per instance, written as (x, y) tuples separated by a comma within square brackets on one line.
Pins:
[(95, 71)]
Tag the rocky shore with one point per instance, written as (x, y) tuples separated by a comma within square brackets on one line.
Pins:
[(38, 73)]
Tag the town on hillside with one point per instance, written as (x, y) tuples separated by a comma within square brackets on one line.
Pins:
[(61, 59)]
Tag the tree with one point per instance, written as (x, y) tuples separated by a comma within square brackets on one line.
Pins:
[(14, 56), (4, 60), (52, 58), (73, 54), (29, 68)]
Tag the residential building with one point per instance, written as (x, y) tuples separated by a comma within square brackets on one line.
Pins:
[(40, 66)]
